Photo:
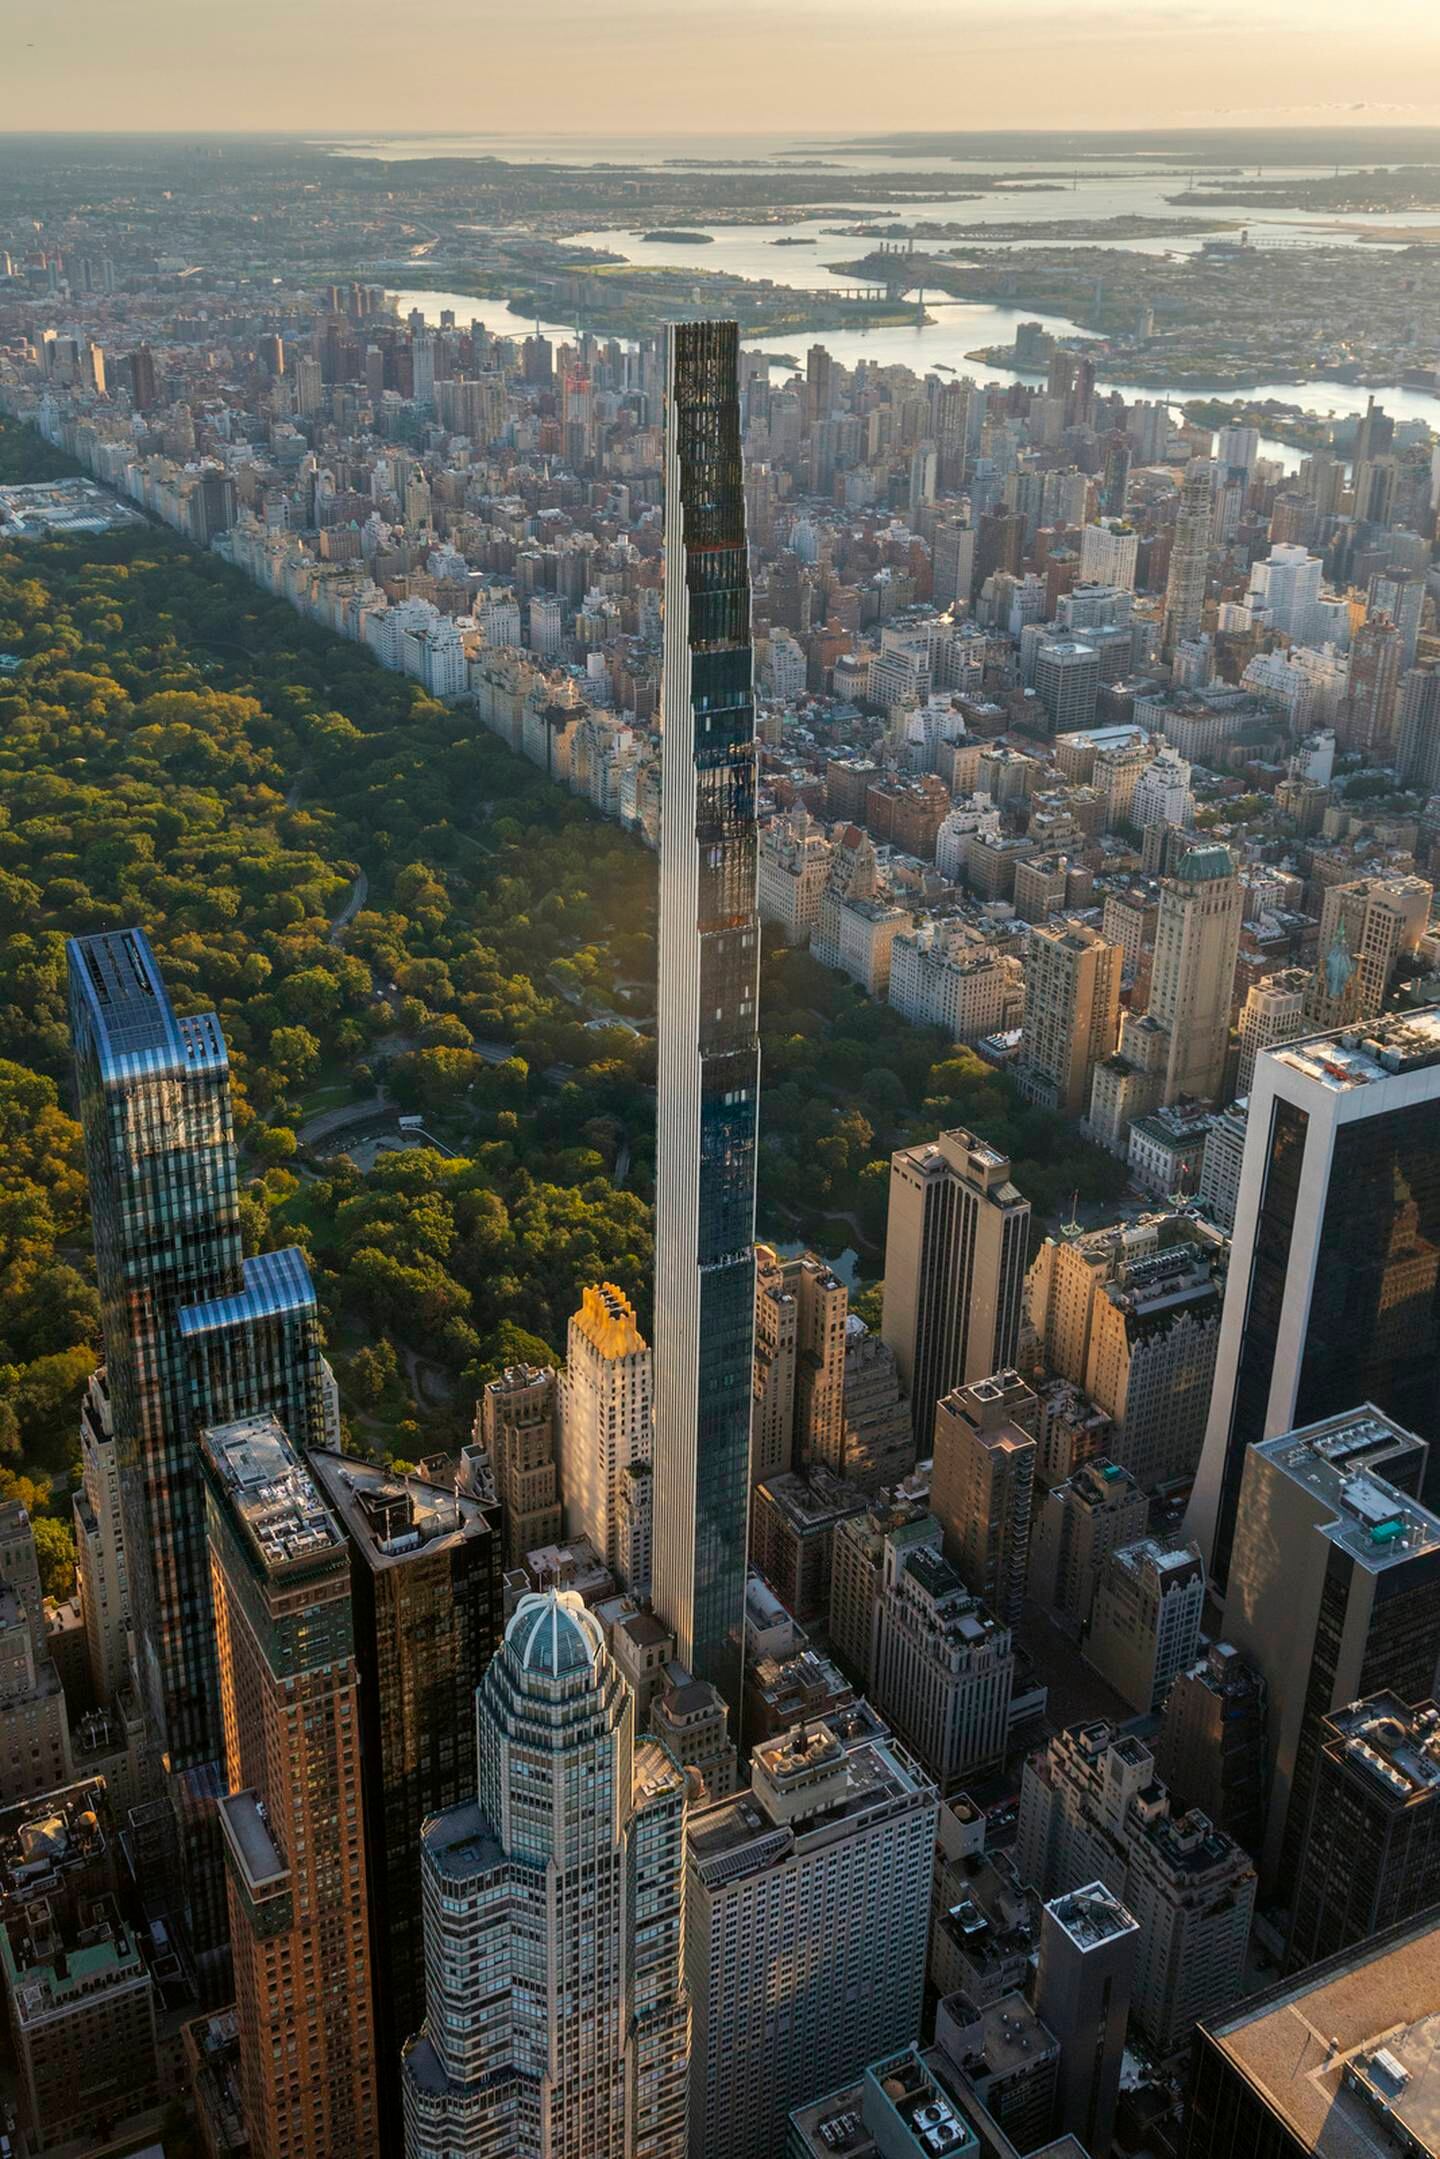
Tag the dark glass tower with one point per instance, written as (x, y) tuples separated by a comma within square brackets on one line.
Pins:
[(195, 1334), (428, 1606), (1334, 1288), (708, 1048)]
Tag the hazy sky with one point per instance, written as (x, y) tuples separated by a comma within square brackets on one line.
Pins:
[(854, 66)]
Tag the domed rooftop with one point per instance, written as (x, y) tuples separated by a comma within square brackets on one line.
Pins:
[(553, 1635), (1211, 860)]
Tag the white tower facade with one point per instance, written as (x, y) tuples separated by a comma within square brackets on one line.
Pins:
[(557, 2023)]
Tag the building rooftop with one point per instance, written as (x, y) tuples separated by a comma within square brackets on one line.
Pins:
[(1353, 1057), (1339, 1462), (553, 1635), (116, 977), (871, 1773), (607, 1318), (1092, 1916), (1392, 1745), (274, 1283), (1347, 2054), (896, 2108), (247, 1826), (270, 1493), (393, 1518)]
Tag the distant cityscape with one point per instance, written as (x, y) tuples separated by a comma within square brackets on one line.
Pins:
[(962, 1678)]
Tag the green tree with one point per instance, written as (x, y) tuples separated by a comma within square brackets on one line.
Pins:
[(55, 1550)]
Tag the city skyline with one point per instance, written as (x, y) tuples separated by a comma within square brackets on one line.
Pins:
[(903, 876)]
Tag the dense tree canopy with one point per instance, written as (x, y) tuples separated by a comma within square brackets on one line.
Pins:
[(180, 751)]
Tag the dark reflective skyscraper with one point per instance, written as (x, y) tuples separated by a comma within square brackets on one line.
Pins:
[(708, 1048), (1334, 1287)]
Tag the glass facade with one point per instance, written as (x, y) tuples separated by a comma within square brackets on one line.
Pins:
[(1372, 1330), (1265, 1297), (708, 1050), (1373, 1333), (194, 1335)]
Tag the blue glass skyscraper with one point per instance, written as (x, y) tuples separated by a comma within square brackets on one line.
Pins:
[(708, 1046), (195, 1334)]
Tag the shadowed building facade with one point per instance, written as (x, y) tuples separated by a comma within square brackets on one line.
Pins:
[(426, 1603)]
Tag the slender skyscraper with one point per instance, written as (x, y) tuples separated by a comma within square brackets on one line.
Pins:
[(708, 1048)]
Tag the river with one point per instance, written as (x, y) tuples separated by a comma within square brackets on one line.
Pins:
[(960, 327)]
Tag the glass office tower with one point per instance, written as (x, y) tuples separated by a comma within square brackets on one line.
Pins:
[(195, 1334), (708, 1047), (1334, 1289)]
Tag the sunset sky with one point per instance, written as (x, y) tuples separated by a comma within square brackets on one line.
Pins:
[(853, 66)]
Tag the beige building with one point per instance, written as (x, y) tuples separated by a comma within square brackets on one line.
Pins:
[(1132, 1315), (1197, 938), (1078, 1524), (34, 1729), (1072, 1015), (806, 1912), (1383, 919), (1273, 1011), (515, 1423), (801, 1308), (1145, 1624), (100, 1547), (607, 1434), (792, 861), (856, 925), (982, 1486), (879, 1441), (962, 984), (772, 1415), (954, 1268)]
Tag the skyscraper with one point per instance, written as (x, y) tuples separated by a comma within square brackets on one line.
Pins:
[(1086, 1969), (193, 1332), (291, 1816), (557, 2024), (982, 1486), (426, 1605), (1197, 936), (807, 1901), (1333, 1595), (1189, 562), (1371, 1851), (100, 1547), (1335, 1266), (708, 1046), (194, 1335), (1210, 1749), (607, 1435), (1072, 1014), (954, 1268), (515, 1422), (1092, 1810)]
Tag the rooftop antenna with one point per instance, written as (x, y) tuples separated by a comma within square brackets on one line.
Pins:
[(1074, 1227)]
